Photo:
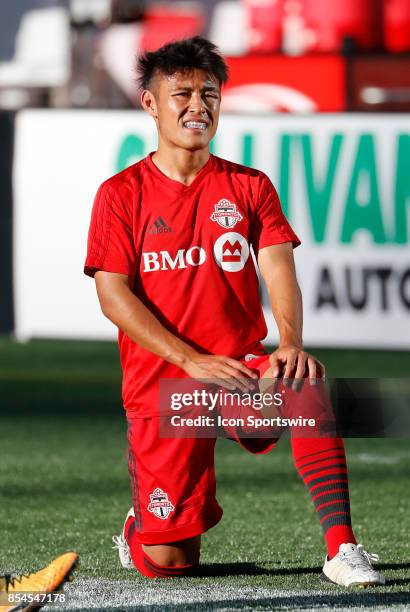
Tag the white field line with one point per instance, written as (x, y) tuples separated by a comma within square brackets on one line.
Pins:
[(103, 594), (379, 458)]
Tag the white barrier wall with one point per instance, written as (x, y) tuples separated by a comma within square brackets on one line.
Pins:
[(344, 182)]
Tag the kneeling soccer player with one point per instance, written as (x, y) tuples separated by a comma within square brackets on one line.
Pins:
[(169, 247)]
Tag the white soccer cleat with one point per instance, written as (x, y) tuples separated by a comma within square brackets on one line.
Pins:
[(120, 543), (352, 567)]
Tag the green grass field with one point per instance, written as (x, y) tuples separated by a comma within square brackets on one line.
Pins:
[(64, 485)]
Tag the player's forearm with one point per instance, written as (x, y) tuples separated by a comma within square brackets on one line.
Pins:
[(286, 303), (278, 271), (130, 315)]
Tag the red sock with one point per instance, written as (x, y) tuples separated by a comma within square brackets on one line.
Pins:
[(321, 462), (145, 565)]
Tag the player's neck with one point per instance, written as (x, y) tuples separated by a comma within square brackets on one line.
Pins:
[(180, 164)]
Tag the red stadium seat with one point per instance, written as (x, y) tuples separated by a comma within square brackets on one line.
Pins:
[(265, 25), (396, 25), (332, 21), (163, 24)]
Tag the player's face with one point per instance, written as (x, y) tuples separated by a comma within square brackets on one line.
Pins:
[(187, 108)]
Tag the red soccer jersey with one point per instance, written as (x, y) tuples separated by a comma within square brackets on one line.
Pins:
[(188, 249)]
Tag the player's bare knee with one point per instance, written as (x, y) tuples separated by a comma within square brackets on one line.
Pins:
[(174, 554)]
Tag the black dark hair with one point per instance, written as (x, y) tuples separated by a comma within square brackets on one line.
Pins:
[(186, 54)]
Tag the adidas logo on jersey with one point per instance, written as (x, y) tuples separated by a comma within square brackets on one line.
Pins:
[(159, 227)]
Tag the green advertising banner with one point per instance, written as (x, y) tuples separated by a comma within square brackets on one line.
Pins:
[(344, 184)]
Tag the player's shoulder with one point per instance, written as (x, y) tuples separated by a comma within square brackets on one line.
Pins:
[(127, 180), (244, 174), (225, 165)]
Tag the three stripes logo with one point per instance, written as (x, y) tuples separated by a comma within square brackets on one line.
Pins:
[(159, 227)]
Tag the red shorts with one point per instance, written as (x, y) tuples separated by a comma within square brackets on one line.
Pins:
[(173, 479)]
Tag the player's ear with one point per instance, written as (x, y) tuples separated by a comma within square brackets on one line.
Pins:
[(148, 103)]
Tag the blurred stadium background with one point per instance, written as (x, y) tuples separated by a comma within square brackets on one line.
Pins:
[(319, 99)]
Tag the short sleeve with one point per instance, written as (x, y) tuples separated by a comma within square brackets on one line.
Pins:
[(269, 224), (110, 246)]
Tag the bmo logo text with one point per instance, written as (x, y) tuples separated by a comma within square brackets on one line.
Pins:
[(195, 256), (231, 252)]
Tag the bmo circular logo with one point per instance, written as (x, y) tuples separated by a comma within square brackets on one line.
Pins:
[(231, 252)]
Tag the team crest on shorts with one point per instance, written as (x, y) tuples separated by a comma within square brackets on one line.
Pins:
[(160, 504), (225, 214)]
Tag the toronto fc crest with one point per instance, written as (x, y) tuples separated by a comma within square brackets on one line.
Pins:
[(160, 504), (225, 214)]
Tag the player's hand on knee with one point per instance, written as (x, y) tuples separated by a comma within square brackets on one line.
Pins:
[(229, 373), (293, 364)]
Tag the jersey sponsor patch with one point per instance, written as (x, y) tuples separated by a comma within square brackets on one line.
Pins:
[(225, 214), (153, 261), (160, 505), (231, 252)]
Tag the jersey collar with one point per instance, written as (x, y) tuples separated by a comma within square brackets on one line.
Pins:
[(177, 185)]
